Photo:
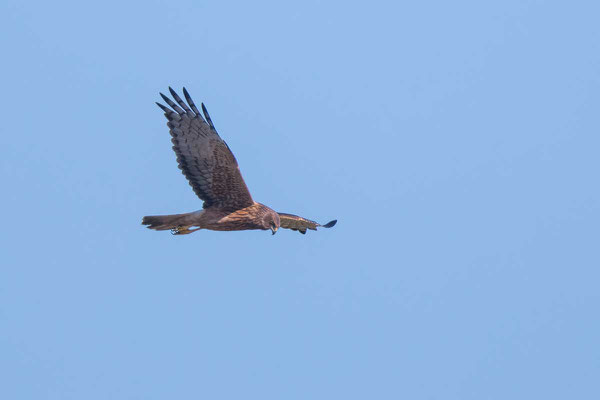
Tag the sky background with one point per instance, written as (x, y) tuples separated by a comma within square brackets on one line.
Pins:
[(457, 143)]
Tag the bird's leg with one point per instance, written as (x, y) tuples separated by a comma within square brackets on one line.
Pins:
[(183, 230)]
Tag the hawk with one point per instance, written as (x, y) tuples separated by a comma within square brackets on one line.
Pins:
[(213, 172)]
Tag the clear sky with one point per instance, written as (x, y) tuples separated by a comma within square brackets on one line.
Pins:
[(457, 143)]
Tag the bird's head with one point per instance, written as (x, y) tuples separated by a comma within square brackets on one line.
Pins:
[(271, 221)]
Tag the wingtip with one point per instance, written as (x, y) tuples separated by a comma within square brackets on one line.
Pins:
[(165, 98), (330, 224), (162, 107), (188, 98), (207, 116)]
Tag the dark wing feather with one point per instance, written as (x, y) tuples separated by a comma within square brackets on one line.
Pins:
[(296, 223), (203, 157)]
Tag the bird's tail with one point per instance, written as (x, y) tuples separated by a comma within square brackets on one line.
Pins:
[(178, 224)]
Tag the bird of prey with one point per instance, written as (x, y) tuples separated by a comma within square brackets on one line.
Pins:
[(212, 171)]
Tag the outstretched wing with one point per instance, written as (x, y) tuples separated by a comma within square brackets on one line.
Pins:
[(296, 223), (203, 157)]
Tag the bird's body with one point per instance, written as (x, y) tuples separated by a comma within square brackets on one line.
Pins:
[(212, 171), (212, 218)]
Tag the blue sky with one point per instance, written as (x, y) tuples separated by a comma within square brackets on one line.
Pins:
[(456, 143)]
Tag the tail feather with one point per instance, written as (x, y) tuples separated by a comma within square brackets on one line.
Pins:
[(166, 222)]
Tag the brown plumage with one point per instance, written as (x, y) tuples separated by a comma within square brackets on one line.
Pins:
[(213, 172)]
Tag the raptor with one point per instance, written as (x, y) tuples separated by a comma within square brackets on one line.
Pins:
[(213, 172)]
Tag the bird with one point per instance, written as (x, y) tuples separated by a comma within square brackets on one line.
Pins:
[(213, 173)]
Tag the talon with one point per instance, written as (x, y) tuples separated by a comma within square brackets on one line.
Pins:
[(182, 230)]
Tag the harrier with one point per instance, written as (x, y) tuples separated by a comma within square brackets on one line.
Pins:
[(213, 172)]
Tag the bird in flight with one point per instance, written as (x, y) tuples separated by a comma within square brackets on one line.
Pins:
[(213, 172)]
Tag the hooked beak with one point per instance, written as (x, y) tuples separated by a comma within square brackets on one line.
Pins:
[(274, 230)]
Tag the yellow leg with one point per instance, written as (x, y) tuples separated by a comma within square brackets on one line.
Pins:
[(183, 230)]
